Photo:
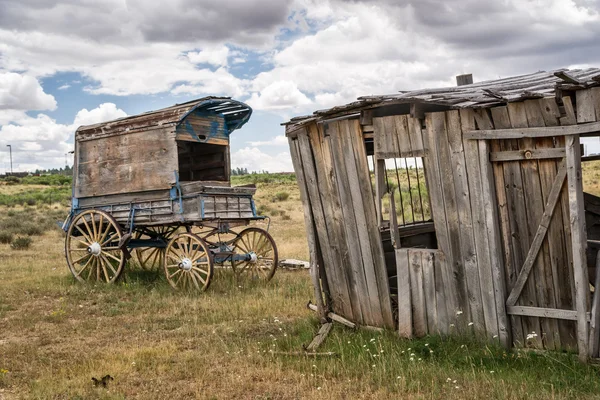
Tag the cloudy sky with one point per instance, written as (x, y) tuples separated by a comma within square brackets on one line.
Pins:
[(73, 62)]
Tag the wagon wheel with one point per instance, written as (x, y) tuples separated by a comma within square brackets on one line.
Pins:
[(149, 257), (261, 252), (188, 262), (92, 247)]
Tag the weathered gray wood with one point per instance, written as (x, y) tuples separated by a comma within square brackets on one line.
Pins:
[(579, 242), (134, 162), (539, 236), (414, 134), (435, 128), (310, 229), (394, 232), (585, 106), (365, 189), (519, 133), (463, 205), (339, 288), (419, 310), (544, 112), (342, 269), (542, 312), (427, 264), (405, 325), (380, 187), (335, 317), (320, 337), (478, 211), (531, 154), (503, 174), (595, 315), (465, 79), (346, 209), (442, 294)]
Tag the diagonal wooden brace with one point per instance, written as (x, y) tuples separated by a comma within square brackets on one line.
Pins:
[(539, 235)]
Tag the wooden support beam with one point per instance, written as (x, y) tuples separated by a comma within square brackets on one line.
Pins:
[(531, 154), (405, 324), (334, 317), (542, 312), (568, 78), (320, 337), (380, 187), (539, 236), (520, 133), (578, 242)]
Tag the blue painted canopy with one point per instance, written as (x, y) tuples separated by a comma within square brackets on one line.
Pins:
[(232, 115)]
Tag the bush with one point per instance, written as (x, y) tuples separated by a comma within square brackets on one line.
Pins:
[(263, 209), (21, 243), (31, 229), (6, 237), (282, 196), (285, 217), (12, 180)]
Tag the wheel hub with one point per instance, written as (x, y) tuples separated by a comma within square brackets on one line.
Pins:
[(252, 257), (95, 249), (185, 264)]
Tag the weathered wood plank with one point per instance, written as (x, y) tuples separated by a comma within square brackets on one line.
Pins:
[(346, 208), (370, 215), (427, 264), (334, 218), (520, 133), (528, 154), (316, 277), (405, 327), (339, 287), (478, 211), (585, 106), (419, 309), (435, 127), (511, 244), (595, 314), (402, 140), (542, 312), (529, 208), (579, 242), (463, 204)]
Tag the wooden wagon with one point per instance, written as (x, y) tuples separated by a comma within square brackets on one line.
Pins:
[(158, 185)]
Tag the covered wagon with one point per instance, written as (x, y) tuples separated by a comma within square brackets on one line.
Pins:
[(158, 185)]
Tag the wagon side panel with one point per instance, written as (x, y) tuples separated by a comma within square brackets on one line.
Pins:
[(126, 163)]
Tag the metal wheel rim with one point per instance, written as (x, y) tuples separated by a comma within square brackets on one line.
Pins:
[(183, 249), (260, 242), (150, 257), (91, 247)]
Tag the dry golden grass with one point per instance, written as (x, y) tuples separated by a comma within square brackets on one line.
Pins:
[(56, 334)]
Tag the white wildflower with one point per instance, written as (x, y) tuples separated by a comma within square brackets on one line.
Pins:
[(459, 312)]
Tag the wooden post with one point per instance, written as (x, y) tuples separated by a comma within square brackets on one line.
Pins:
[(465, 79), (595, 318), (578, 242)]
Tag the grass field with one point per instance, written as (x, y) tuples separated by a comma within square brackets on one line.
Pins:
[(56, 334)]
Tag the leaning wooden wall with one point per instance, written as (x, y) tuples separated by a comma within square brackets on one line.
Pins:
[(463, 275), (331, 166)]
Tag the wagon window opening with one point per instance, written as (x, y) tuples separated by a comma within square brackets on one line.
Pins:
[(203, 162), (405, 183)]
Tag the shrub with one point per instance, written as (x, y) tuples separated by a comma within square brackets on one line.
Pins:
[(263, 209), (282, 196), (285, 217), (274, 212), (6, 237), (12, 180), (31, 229), (21, 243)]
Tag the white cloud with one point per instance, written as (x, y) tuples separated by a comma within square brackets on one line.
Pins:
[(104, 112), (23, 92), (280, 140), (254, 159), (64, 87), (279, 95), (214, 56), (40, 142)]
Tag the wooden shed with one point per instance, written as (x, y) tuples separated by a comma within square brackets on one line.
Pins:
[(457, 210)]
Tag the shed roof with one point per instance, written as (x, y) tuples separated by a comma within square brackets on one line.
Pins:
[(235, 112), (476, 95)]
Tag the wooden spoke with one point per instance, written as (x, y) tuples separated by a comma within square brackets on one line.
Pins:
[(150, 258), (255, 244), (182, 253), (103, 263)]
